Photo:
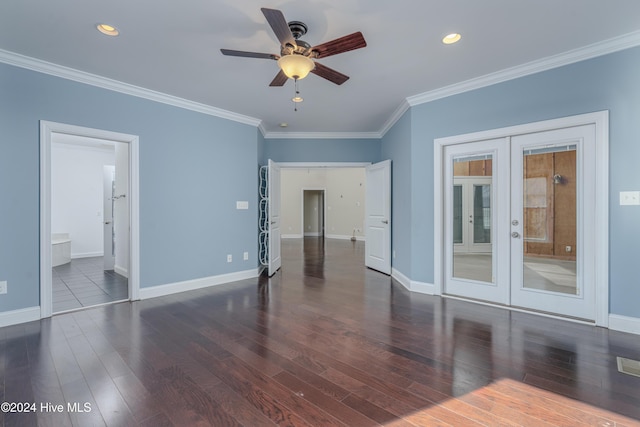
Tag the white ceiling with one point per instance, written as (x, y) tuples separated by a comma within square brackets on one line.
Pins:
[(173, 47)]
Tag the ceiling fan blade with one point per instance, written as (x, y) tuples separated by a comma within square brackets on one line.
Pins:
[(343, 44), (244, 54), (280, 79), (329, 74), (279, 25)]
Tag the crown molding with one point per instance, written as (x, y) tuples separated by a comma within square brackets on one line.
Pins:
[(56, 70), (402, 108), (322, 135), (597, 49), (594, 50)]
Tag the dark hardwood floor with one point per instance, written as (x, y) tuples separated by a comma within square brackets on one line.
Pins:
[(324, 342)]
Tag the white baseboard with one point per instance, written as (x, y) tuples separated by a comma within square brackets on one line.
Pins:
[(87, 255), (624, 324), (190, 285), (291, 236), (312, 234), (121, 271), (19, 316), (413, 285), (344, 237)]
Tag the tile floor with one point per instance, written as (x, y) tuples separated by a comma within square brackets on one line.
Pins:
[(83, 282)]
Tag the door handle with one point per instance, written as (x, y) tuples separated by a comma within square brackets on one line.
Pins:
[(107, 222), (515, 235), (385, 221)]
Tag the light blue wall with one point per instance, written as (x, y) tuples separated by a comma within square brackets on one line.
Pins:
[(609, 82), (323, 150), (396, 145), (193, 168)]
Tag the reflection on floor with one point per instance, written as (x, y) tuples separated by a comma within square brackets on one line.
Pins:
[(83, 283), (539, 273)]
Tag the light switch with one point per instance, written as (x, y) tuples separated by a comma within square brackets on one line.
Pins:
[(629, 198), (242, 205)]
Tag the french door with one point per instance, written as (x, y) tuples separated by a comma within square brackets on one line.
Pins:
[(519, 221)]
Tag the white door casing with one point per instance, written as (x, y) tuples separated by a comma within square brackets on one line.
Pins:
[(107, 199), (275, 260), (378, 217), (47, 129)]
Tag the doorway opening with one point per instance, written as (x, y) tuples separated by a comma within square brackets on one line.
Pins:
[(313, 213), (89, 217), (89, 214)]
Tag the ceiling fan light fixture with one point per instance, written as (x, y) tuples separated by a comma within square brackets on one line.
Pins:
[(297, 99), (296, 66), (451, 38), (107, 29)]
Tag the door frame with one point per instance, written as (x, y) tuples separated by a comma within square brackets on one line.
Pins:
[(47, 129), (323, 207), (601, 233)]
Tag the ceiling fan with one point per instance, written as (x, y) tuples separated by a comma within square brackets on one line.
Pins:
[(296, 59)]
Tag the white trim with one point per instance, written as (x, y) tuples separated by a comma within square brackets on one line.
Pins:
[(87, 255), (311, 234), (291, 236), (344, 237), (519, 310), (624, 324), (23, 315), (581, 54), (47, 129), (601, 121), (190, 285), (305, 165), (322, 135), (41, 66), (597, 49), (397, 114), (412, 285), (121, 271), (401, 278)]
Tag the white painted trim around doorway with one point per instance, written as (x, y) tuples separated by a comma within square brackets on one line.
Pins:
[(47, 129), (601, 121)]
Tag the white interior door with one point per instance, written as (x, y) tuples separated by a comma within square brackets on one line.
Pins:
[(275, 260), (378, 217), (474, 210), (109, 235), (553, 221)]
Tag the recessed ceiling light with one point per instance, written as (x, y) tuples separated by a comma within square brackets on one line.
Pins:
[(451, 38), (108, 29), (297, 99), (284, 125)]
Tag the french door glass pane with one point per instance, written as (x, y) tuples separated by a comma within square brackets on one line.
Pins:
[(472, 220), (482, 214), (550, 219), (457, 214)]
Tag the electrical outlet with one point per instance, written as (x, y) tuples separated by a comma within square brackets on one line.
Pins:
[(229, 258), (245, 256), (567, 248), (3, 287)]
